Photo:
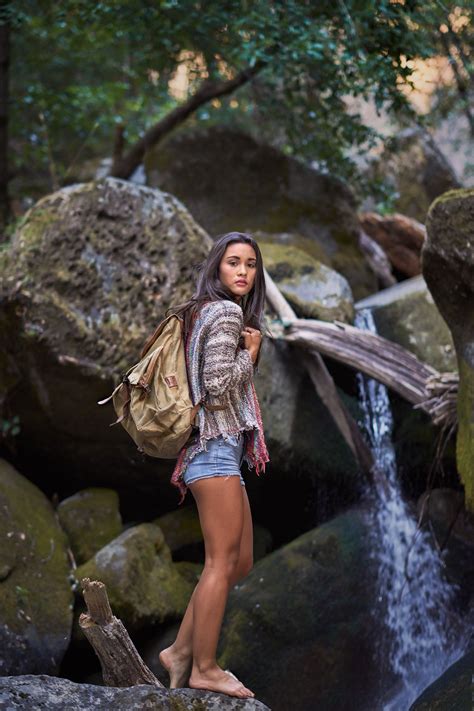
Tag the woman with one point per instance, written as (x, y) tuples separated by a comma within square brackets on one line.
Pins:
[(225, 312)]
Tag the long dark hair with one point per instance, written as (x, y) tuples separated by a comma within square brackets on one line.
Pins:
[(210, 288)]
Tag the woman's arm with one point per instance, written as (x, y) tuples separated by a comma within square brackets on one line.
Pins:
[(225, 365)]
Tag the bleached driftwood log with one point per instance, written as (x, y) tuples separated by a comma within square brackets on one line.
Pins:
[(121, 664), (386, 361)]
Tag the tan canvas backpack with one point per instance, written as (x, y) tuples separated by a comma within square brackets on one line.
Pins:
[(153, 400)]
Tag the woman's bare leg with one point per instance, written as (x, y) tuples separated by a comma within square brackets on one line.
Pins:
[(177, 658)]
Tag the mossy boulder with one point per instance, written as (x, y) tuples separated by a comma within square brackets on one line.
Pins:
[(91, 519), (89, 273), (406, 313), (36, 596), (143, 584), (453, 689), (183, 534), (448, 269), (189, 570), (313, 289), (181, 527), (301, 621), (230, 181)]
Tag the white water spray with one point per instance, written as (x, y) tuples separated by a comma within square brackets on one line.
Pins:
[(425, 634)]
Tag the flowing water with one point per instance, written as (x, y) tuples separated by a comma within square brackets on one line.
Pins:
[(424, 633)]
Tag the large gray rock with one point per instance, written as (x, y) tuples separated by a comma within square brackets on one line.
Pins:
[(448, 268), (91, 519), (406, 313), (88, 275), (143, 584), (36, 596), (56, 694), (311, 288), (303, 619), (229, 181)]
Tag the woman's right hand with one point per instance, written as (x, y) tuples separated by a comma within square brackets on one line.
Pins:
[(253, 340)]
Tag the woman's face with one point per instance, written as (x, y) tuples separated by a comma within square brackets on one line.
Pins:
[(239, 263)]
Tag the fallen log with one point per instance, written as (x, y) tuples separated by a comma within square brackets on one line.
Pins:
[(425, 387), (120, 661)]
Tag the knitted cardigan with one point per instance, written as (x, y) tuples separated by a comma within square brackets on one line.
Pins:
[(221, 372)]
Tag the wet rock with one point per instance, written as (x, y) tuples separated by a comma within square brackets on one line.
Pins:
[(229, 181), (35, 591), (91, 519), (445, 507), (453, 689), (42, 691), (143, 584), (448, 268), (442, 513)]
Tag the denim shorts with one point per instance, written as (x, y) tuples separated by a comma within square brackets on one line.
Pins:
[(222, 458)]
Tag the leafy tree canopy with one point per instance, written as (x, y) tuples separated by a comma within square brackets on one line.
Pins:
[(79, 69)]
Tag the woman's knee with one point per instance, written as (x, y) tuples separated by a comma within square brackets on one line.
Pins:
[(227, 567)]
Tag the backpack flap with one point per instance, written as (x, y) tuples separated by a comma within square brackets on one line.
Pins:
[(158, 414)]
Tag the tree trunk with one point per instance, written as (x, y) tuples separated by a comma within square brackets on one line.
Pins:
[(5, 10), (121, 664)]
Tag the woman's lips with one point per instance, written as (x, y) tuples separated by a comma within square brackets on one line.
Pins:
[(241, 283)]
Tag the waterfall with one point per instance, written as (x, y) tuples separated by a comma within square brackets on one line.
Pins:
[(424, 634)]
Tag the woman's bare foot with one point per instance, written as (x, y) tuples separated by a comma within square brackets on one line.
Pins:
[(216, 679), (178, 666)]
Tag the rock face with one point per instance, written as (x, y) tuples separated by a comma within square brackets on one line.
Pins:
[(229, 181), (453, 689), (35, 591), (90, 272), (417, 171), (301, 621), (313, 289), (91, 519), (448, 268), (143, 585), (401, 238), (42, 691), (406, 313)]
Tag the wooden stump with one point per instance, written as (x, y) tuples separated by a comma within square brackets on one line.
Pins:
[(121, 664)]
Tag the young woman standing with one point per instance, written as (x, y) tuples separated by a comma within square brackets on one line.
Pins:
[(222, 330)]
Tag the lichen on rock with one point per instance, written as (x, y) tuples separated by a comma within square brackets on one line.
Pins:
[(35, 591)]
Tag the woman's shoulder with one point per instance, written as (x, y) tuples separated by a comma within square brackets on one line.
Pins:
[(221, 306)]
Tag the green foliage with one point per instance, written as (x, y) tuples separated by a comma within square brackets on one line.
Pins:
[(9, 428), (81, 68)]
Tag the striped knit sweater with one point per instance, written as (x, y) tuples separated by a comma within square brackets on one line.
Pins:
[(218, 369)]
